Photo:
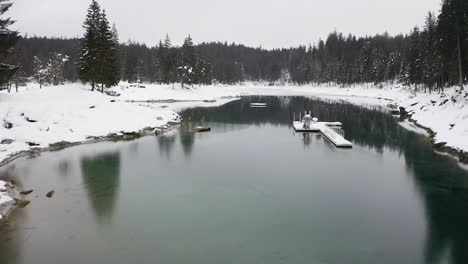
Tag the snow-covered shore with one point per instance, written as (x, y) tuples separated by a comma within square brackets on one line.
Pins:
[(6, 202), (36, 119)]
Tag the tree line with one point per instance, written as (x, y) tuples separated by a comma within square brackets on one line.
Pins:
[(429, 58)]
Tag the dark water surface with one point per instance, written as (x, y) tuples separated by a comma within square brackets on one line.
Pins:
[(252, 191)]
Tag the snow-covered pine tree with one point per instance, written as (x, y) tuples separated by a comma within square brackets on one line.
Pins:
[(88, 70), (55, 68), (140, 70), (114, 73), (188, 63), (453, 31), (8, 39), (38, 71), (107, 56), (202, 74), (414, 58), (431, 65), (167, 61)]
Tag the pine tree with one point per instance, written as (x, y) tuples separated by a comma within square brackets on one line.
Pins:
[(167, 61), (8, 39), (453, 28), (39, 71), (99, 61), (107, 56), (430, 55), (114, 58), (88, 70), (188, 63), (55, 68), (415, 58)]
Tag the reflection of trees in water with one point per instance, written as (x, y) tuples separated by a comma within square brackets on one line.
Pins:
[(442, 184), (101, 175), (166, 144), (366, 127), (64, 167), (187, 140), (11, 235), (447, 229), (443, 188)]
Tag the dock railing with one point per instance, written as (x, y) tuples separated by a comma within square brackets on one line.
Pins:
[(339, 131)]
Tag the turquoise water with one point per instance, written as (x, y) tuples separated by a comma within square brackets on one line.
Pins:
[(251, 191)]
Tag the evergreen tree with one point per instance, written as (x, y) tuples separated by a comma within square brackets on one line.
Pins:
[(39, 71), (453, 31), (107, 56), (99, 61), (415, 58), (167, 61), (114, 60), (89, 71), (187, 67), (8, 39), (430, 54)]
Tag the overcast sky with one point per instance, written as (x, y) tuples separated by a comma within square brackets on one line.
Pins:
[(269, 23)]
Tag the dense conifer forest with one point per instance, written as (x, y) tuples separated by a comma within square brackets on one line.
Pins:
[(430, 57)]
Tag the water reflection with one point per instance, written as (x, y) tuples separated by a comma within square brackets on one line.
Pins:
[(447, 229), (166, 144), (187, 140), (101, 176), (225, 193), (64, 167), (441, 183), (10, 231)]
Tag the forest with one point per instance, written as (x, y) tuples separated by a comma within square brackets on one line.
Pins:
[(431, 57)]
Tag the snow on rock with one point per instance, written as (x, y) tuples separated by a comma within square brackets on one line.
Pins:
[(5, 200)]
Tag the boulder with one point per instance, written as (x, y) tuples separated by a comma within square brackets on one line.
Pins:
[(8, 125), (50, 194), (440, 145), (26, 192), (7, 141), (22, 203)]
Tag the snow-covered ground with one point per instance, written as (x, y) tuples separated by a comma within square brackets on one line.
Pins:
[(37, 118)]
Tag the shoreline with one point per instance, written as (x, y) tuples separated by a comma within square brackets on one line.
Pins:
[(388, 100), (11, 190)]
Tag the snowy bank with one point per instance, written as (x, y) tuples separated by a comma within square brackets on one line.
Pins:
[(6, 202), (446, 114), (54, 117)]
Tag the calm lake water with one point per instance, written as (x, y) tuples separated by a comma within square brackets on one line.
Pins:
[(251, 191)]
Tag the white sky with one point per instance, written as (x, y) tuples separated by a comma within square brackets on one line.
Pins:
[(269, 23)]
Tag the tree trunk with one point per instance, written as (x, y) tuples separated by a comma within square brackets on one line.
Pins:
[(102, 88), (460, 69), (92, 86)]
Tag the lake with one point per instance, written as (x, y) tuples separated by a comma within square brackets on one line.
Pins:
[(251, 191)]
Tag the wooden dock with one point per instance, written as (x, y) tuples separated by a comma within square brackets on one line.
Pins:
[(336, 138), (314, 127), (330, 130)]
